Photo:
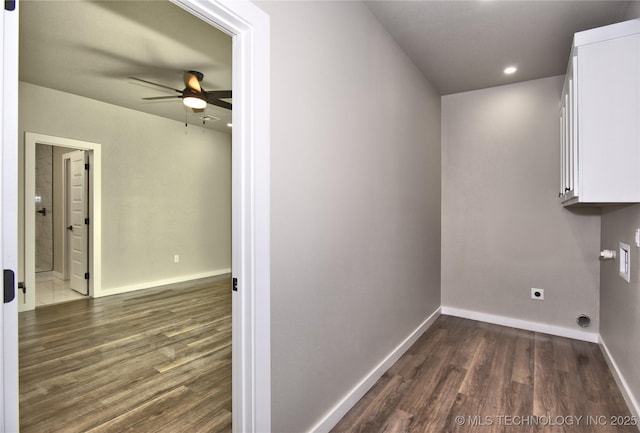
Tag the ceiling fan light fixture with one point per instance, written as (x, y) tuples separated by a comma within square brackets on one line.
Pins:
[(194, 102)]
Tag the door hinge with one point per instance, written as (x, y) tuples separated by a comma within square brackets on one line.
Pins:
[(9, 282), (86, 166), (86, 221), (234, 285), (9, 5), (86, 275)]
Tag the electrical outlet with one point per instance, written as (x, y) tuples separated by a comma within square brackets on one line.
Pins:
[(537, 294), (176, 259)]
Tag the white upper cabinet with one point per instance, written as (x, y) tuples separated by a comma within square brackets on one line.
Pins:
[(600, 117)]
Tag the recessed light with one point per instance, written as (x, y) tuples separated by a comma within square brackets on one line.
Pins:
[(510, 70)]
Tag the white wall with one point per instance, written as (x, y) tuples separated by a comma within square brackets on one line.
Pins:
[(355, 203), (503, 229), (166, 188)]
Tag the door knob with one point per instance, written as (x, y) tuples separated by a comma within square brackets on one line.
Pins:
[(70, 228), (43, 211)]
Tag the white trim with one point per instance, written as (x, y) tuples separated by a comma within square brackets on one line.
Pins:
[(4, 245), (521, 324), (250, 256), (95, 212), (9, 399), (624, 387), (164, 282), (348, 401), (604, 33)]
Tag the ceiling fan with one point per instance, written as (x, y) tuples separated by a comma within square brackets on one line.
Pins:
[(193, 95)]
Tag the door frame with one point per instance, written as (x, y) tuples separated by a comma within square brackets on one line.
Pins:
[(249, 27), (250, 206), (9, 401), (95, 215)]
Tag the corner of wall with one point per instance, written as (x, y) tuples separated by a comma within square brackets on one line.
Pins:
[(623, 385), (356, 393)]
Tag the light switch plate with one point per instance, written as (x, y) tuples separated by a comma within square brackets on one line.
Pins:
[(624, 258)]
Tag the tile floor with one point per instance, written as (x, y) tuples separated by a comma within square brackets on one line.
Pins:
[(52, 290)]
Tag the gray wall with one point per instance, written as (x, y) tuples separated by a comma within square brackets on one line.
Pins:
[(355, 203), (503, 229), (619, 300), (166, 189), (633, 11), (44, 222)]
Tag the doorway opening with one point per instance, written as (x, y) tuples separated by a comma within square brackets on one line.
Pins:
[(66, 192), (250, 29), (61, 224)]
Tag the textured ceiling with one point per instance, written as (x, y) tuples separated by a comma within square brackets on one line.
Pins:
[(465, 45), (90, 48)]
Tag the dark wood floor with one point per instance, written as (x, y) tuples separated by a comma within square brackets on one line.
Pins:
[(462, 372), (149, 361)]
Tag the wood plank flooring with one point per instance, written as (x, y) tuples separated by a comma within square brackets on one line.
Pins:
[(467, 376), (150, 361)]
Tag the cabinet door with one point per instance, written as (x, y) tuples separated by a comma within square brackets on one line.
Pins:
[(570, 140), (609, 110), (567, 151), (563, 146), (573, 129), (569, 162)]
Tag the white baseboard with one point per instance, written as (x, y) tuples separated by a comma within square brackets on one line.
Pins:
[(159, 283), (624, 387), (339, 410), (522, 324)]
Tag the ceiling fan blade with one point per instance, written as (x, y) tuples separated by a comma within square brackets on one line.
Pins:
[(157, 98), (218, 94), (191, 81), (219, 103), (155, 84)]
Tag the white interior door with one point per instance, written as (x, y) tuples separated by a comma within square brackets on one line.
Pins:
[(78, 205)]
